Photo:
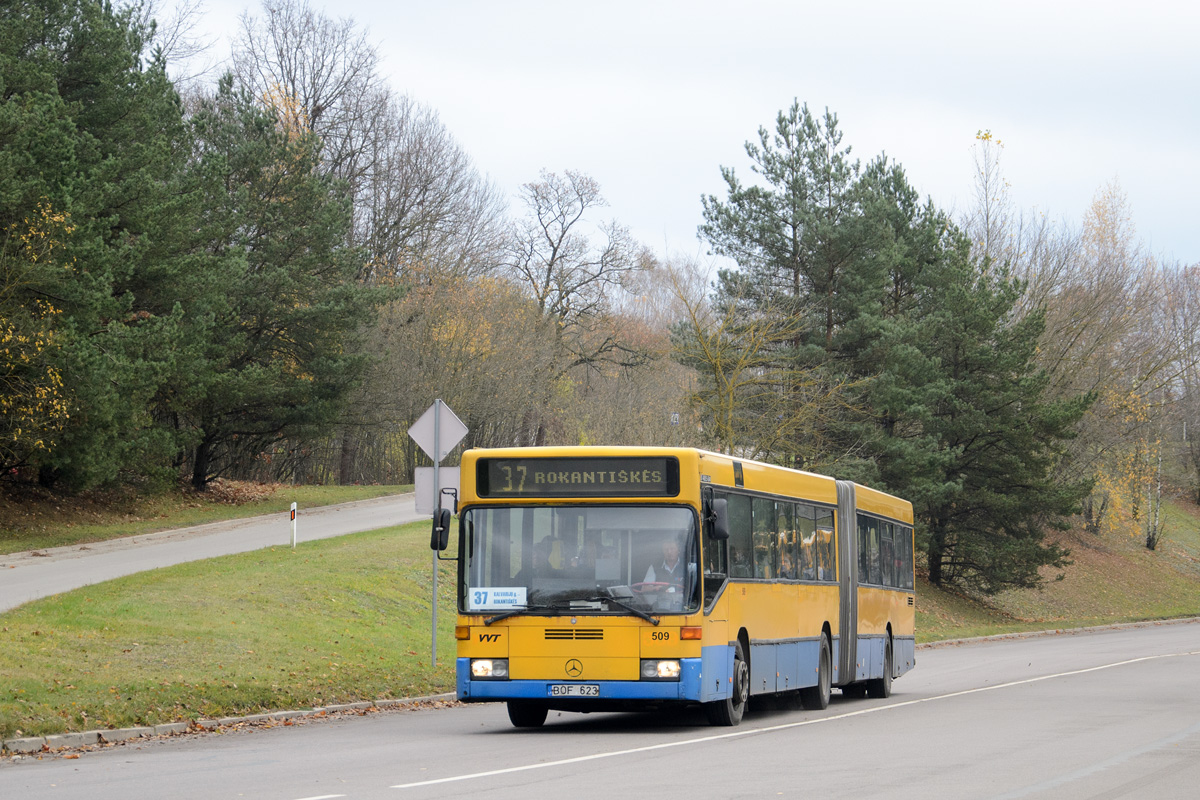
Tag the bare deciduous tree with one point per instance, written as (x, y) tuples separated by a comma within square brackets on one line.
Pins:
[(478, 345), (424, 211), (551, 253), (754, 402), (1106, 305), (177, 40), (325, 68)]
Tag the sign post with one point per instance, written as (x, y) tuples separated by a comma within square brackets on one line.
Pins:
[(293, 526), (437, 432)]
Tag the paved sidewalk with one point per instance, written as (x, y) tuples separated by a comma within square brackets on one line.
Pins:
[(26, 576)]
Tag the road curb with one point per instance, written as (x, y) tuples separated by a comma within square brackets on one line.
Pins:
[(60, 742), (1056, 632)]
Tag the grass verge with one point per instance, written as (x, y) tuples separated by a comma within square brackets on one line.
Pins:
[(333, 621), (33, 520)]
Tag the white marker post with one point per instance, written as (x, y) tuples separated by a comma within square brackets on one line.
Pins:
[(293, 526)]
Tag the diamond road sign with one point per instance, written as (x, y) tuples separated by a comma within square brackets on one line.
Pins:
[(450, 430)]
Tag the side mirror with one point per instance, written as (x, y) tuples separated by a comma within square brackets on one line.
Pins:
[(453, 494), (441, 530), (720, 519)]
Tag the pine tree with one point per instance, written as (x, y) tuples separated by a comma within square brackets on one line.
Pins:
[(970, 438), (275, 302), (96, 134), (938, 397)]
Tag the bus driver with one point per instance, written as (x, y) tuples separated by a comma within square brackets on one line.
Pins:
[(670, 570)]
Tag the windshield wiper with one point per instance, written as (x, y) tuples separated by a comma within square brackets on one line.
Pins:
[(515, 611), (598, 599), (635, 611)]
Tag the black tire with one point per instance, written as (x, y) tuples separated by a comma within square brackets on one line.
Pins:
[(526, 714), (729, 712), (882, 687), (816, 698)]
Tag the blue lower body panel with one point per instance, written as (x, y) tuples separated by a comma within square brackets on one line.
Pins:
[(904, 654), (870, 657), (872, 652), (783, 666)]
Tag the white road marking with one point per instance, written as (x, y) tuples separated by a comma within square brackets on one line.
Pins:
[(322, 797), (783, 727)]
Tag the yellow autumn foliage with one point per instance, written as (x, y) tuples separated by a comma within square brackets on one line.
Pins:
[(1126, 473), (33, 406)]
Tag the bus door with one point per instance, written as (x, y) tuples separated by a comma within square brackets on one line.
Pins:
[(847, 557)]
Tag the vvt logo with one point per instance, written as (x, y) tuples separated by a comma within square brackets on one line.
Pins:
[(489, 637)]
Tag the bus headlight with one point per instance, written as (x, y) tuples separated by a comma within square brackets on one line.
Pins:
[(489, 668), (660, 670)]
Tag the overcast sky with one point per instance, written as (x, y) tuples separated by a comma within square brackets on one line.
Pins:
[(652, 98)]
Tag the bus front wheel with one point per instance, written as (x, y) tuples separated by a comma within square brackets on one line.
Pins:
[(527, 715), (728, 712)]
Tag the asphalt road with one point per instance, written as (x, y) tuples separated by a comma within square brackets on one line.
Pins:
[(1099, 714), (26, 576)]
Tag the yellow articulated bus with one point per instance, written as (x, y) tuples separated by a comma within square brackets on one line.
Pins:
[(613, 578)]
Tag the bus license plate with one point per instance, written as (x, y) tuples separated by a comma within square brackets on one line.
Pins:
[(574, 690)]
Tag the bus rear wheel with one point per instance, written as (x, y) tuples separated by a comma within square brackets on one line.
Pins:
[(729, 712), (524, 714), (882, 687), (815, 698)]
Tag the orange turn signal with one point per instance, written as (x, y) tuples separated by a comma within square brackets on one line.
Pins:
[(462, 632), (691, 633)]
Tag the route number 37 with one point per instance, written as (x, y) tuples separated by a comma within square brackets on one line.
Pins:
[(508, 476)]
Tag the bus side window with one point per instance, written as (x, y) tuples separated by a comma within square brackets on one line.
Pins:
[(765, 557), (825, 552), (785, 524), (887, 554), (806, 532), (906, 538), (864, 551), (740, 544), (876, 558)]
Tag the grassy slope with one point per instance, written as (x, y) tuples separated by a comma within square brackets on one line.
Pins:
[(1114, 578), (348, 619)]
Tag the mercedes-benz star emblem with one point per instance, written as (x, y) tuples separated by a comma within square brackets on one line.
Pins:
[(574, 668)]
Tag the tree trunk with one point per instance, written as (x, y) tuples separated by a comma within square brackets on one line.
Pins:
[(935, 568), (47, 476), (934, 553), (200, 466), (347, 458)]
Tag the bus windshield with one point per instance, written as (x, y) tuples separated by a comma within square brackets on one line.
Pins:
[(580, 559)]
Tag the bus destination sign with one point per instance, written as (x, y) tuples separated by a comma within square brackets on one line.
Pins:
[(656, 476)]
